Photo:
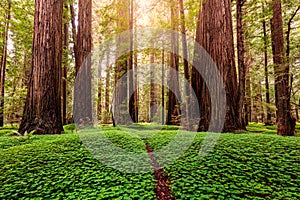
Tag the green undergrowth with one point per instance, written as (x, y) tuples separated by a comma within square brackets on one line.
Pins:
[(259, 128), (61, 167), (245, 166), (71, 165)]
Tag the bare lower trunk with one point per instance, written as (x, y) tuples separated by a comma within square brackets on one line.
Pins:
[(285, 120), (83, 92), (215, 34), (241, 64), (185, 65), (65, 69), (3, 64), (42, 111), (173, 106)]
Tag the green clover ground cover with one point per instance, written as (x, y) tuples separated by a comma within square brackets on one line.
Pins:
[(241, 166), (60, 167)]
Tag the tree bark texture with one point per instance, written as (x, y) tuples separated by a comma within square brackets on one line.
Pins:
[(241, 63), (83, 95), (285, 120), (42, 111), (215, 35), (173, 116), (3, 63)]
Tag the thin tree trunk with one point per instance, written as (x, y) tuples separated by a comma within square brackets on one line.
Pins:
[(185, 65), (74, 33), (3, 63), (163, 88), (269, 111), (42, 111), (153, 89), (100, 86), (136, 93), (130, 67), (65, 67), (107, 90), (241, 63), (285, 120)]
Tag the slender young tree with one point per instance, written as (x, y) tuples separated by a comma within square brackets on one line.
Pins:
[(268, 120), (42, 111), (285, 121), (241, 61), (65, 64), (185, 62), (3, 62)]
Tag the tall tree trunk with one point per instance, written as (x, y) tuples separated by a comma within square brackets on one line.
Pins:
[(74, 32), (100, 86), (65, 66), (269, 111), (83, 95), (197, 83), (285, 120), (121, 77), (107, 92), (42, 111), (136, 93), (163, 88), (3, 63), (297, 110), (241, 63), (153, 89), (215, 34), (248, 104), (132, 100), (173, 106), (185, 64)]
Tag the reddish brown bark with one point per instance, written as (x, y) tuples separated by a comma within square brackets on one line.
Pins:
[(83, 95), (42, 111), (3, 63), (268, 120), (241, 63), (173, 106), (121, 100), (285, 120), (215, 34)]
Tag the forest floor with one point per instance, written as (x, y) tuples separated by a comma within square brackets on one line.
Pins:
[(244, 165)]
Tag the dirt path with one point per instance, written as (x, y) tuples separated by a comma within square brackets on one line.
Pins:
[(162, 189)]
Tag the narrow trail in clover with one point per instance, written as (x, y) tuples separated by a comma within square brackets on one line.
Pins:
[(162, 189)]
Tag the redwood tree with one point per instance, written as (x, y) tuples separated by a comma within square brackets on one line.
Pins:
[(215, 35), (42, 111), (173, 105), (285, 121), (3, 62), (83, 93)]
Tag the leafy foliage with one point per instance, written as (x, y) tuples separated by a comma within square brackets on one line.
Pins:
[(251, 166), (60, 167)]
